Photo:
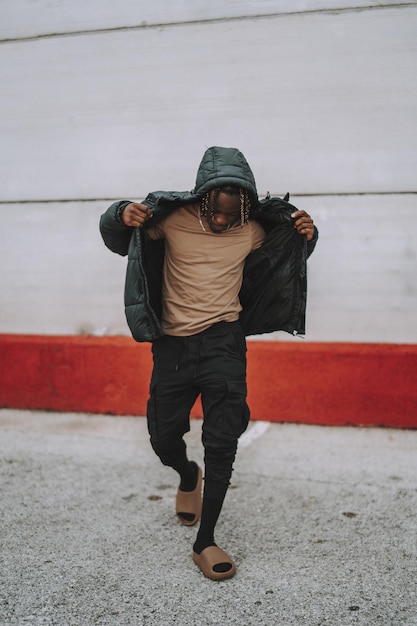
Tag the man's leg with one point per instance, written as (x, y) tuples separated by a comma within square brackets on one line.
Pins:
[(172, 397), (222, 375), (220, 451)]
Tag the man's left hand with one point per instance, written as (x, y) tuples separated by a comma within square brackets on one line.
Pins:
[(304, 224)]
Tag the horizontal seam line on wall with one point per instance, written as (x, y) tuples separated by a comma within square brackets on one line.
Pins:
[(293, 195), (144, 26)]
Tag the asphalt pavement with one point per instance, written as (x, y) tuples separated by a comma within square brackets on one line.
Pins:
[(320, 521)]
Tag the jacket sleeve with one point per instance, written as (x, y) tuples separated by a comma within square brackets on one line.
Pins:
[(116, 235), (312, 243)]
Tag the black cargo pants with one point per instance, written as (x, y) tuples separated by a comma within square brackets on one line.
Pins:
[(213, 364)]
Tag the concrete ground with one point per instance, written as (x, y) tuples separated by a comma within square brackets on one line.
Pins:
[(321, 522)]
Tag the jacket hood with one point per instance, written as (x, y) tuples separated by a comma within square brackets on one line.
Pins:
[(224, 166)]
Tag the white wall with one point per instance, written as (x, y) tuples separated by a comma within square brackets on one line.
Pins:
[(321, 101)]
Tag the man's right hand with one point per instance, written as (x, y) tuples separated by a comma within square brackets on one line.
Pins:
[(135, 214)]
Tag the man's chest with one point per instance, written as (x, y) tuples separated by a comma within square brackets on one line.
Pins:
[(192, 247)]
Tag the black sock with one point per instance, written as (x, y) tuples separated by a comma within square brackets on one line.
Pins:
[(209, 516), (189, 475)]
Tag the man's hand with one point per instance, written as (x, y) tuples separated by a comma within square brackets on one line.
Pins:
[(135, 214), (304, 224)]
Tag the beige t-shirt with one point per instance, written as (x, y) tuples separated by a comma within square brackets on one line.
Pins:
[(203, 271)]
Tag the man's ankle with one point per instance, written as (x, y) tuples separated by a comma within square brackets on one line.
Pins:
[(202, 544), (189, 477)]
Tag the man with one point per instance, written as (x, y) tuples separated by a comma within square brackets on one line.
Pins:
[(205, 269)]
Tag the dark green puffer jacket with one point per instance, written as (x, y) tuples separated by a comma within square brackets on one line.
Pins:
[(274, 288)]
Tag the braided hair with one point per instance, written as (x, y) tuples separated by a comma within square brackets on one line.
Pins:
[(209, 201)]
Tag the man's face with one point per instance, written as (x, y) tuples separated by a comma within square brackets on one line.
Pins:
[(226, 213)]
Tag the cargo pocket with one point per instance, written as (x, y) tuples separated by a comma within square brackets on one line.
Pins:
[(240, 341), (237, 392), (234, 412)]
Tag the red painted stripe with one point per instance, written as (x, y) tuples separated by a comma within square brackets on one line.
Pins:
[(294, 381)]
